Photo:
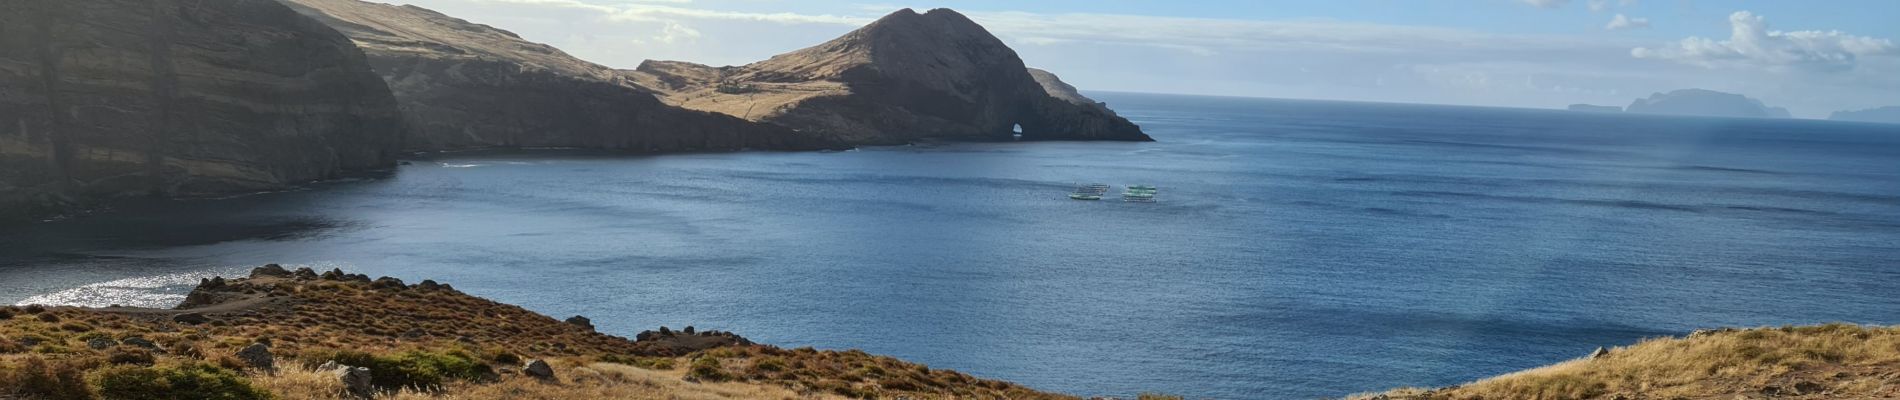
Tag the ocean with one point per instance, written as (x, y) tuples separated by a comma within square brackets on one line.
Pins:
[(1298, 249)]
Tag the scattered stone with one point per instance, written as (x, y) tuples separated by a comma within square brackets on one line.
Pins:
[(538, 369), (644, 336), (335, 274), (272, 270), (581, 321), (191, 318), (305, 274), (428, 285), (140, 342), (355, 379), (665, 332), (1600, 353), (213, 283), (688, 330), (257, 355), (101, 343)]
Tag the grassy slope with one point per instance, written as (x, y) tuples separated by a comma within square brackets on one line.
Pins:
[(309, 319), (1834, 361)]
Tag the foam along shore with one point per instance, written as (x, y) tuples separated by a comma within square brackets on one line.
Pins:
[(300, 334)]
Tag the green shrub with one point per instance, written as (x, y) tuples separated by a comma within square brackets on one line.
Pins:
[(414, 369), (192, 381), (34, 377), (707, 368)]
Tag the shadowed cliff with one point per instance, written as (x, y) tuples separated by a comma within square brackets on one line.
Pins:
[(111, 98)]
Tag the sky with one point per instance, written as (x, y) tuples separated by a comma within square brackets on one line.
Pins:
[(1812, 57)]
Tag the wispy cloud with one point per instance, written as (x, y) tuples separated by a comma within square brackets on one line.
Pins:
[(1621, 22), (1546, 3)]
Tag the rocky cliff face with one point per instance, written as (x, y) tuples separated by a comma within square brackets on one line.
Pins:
[(103, 98), (464, 85), (904, 77), (1705, 103)]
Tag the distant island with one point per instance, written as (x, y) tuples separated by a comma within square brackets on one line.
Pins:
[(1594, 108), (1887, 115), (1703, 102)]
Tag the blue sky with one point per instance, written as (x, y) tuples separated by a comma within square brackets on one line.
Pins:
[(1813, 57)]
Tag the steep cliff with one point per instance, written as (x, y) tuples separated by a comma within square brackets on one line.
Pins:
[(1705, 103), (906, 76), (106, 98), (466, 85)]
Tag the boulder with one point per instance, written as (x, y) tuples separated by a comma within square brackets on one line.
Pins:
[(140, 342), (258, 356), (190, 318), (688, 330), (388, 283), (1600, 353), (305, 274), (356, 380), (538, 369), (581, 321), (101, 343), (335, 274), (428, 285), (270, 270)]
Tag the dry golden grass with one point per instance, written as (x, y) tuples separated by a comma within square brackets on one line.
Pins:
[(1826, 361), (44, 351)]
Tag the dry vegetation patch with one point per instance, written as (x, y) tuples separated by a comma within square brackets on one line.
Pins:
[(1835, 361), (419, 341)]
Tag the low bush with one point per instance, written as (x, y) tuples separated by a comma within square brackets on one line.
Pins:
[(35, 377), (423, 370), (192, 381), (707, 368)]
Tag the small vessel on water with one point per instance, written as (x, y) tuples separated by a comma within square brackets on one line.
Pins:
[(1093, 191), (1139, 194)]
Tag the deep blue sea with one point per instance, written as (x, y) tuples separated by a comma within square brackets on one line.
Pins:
[(1298, 249)]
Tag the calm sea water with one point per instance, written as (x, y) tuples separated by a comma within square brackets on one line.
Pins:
[(1299, 249)]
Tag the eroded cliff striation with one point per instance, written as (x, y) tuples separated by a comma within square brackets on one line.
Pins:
[(905, 77), (464, 85), (109, 98)]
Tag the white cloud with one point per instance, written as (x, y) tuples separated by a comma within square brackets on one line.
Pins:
[(676, 33), (1599, 5), (1546, 3), (1751, 44), (1621, 22)]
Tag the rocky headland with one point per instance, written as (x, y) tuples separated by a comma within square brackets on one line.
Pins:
[(1708, 103), (111, 98), (303, 334), (905, 77)]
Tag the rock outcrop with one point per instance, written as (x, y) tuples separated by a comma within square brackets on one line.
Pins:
[(108, 98), (464, 85), (905, 77), (1707, 103), (1884, 115)]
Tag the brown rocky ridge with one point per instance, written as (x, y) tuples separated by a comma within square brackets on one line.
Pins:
[(464, 85), (301, 334), (113, 98)]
